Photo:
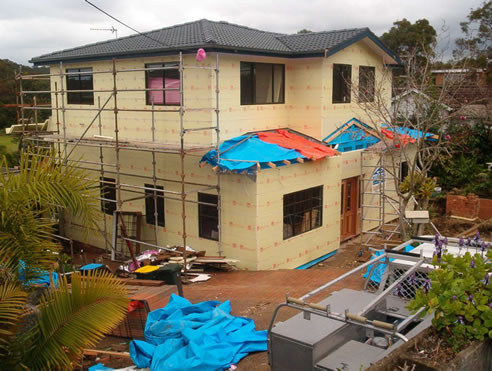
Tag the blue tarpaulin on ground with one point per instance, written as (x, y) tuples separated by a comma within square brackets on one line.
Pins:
[(91, 266), (195, 337), (378, 272), (249, 150), (100, 367), (38, 276)]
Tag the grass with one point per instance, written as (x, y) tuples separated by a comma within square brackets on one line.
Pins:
[(9, 142)]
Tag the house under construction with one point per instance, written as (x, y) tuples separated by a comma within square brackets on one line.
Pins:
[(221, 152)]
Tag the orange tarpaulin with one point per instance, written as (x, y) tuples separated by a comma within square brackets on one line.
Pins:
[(302, 145), (402, 138)]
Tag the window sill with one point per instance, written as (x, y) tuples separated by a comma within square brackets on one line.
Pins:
[(262, 104)]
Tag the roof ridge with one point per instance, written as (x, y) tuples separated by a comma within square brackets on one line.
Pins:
[(247, 28), (145, 33), (207, 31), (326, 32)]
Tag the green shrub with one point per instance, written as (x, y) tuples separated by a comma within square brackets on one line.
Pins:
[(460, 293)]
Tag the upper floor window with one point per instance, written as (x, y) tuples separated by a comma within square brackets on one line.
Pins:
[(342, 77), (159, 79), (80, 79), (262, 83), (367, 80)]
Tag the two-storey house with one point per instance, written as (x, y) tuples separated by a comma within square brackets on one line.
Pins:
[(139, 112)]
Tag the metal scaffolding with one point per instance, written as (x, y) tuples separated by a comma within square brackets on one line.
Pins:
[(65, 145), (376, 195)]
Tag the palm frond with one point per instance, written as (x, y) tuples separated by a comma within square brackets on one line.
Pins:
[(42, 186), (12, 305), (74, 318)]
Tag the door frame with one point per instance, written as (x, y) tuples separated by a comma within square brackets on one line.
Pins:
[(354, 198)]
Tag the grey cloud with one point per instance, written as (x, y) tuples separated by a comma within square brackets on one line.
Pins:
[(31, 28)]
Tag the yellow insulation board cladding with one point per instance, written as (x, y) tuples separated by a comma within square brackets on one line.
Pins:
[(252, 225)]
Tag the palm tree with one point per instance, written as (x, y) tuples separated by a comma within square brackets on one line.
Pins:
[(51, 334)]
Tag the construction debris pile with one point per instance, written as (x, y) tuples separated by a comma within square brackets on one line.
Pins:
[(192, 264)]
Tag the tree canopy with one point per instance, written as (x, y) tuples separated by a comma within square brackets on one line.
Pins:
[(476, 42), (405, 38)]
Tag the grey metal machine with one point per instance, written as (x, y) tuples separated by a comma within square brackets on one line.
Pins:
[(352, 329)]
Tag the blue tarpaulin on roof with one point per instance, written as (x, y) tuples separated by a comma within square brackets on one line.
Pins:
[(249, 150), (195, 337), (415, 134), (352, 138)]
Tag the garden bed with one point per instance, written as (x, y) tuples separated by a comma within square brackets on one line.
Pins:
[(428, 351)]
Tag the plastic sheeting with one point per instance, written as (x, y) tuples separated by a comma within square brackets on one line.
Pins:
[(249, 150), (350, 136), (38, 276), (195, 337), (378, 272), (414, 134), (307, 148)]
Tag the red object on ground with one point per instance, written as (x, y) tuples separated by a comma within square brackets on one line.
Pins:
[(305, 147), (134, 305), (402, 138)]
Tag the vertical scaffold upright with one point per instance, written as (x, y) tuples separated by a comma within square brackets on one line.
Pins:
[(66, 144), (380, 204)]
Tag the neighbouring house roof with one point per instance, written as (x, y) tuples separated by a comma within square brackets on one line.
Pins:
[(456, 70), (267, 149), (418, 92), (221, 36), (352, 135)]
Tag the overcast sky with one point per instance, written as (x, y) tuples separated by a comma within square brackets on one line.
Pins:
[(29, 28)]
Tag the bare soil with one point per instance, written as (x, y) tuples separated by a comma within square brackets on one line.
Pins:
[(433, 350)]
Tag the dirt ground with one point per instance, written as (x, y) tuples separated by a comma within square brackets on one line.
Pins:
[(256, 295), (453, 227)]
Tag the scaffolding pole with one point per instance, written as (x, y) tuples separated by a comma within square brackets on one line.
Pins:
[(61, 138)]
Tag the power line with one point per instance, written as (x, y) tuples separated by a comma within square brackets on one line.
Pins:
[(126, 25)]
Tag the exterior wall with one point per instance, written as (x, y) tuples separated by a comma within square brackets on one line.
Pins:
[(252, 211), (357, 54), (307, 107), (273, 251)]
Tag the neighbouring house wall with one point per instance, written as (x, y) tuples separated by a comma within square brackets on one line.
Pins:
[(273, 251)]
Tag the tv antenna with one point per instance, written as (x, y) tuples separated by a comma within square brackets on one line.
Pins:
[(112, 29)]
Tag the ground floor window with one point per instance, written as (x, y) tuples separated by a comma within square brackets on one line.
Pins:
[(302, 211), (154, 208), (108, 195), (403, 170), (208, 216)]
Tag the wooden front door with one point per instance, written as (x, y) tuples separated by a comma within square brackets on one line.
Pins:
[(349, 207)]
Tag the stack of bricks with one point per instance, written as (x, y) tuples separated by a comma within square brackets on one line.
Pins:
[(463, 206)]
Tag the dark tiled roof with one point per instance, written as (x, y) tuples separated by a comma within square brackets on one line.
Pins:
[(219, 35)]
